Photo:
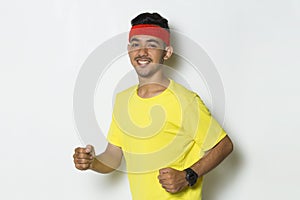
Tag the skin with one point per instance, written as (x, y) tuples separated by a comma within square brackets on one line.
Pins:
[(174, 181), (106, 162), (147, 54), (144, 48)]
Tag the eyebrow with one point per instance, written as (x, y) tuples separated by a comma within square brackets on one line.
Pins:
[(134, 40), (150, 40)]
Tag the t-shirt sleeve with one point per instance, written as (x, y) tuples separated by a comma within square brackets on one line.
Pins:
[(114, 135), (202, 126)]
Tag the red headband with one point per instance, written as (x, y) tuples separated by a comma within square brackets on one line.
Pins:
[(150, 29)]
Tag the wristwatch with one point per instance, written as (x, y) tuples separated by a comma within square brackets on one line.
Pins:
[(191, 176)]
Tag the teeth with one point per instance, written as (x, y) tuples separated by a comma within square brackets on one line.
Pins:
[(143, 61)]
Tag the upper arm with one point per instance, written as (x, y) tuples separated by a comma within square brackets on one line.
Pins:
[(225, 146), (202, 126)]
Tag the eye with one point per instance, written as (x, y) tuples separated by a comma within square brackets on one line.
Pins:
[(152, 45), (134, 45)]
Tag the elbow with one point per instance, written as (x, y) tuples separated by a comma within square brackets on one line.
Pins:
[(108, 170), (229, 146)]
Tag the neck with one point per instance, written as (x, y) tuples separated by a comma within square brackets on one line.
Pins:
[(158, 79), (150, 87)]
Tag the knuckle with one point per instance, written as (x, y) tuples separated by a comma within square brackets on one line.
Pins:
[(173, 191), (79, 156), (81, 161), (169, 190), (78, 166), (84, 166), (78, 161), (81, 166)]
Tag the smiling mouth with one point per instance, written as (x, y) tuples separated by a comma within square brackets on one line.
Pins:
[(143, 61)]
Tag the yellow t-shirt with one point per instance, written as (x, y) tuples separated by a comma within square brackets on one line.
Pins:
[(172, 129)]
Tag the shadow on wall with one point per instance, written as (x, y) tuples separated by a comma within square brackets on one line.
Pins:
[(220, 178), (113, 182)]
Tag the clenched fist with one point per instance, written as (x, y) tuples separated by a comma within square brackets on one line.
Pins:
[(172, 180), (84, 157)]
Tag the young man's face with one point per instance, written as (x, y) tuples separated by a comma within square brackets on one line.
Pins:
[(147, 53)]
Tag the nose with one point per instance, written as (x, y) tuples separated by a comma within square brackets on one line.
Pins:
[(143, 51)]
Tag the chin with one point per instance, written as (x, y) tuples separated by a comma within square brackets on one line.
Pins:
[(144, 74)]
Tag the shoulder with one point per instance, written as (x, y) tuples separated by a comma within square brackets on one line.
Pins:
[(188, 97), (182, 92), (126, 93), (122, 100)]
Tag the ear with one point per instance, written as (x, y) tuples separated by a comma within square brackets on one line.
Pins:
[(169, 52)]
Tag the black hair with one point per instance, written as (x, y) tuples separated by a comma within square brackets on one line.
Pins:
[(151, 18)]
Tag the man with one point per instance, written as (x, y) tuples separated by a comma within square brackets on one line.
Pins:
[(166, 134)]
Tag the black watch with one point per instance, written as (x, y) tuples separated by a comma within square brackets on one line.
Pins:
[(191, 176)]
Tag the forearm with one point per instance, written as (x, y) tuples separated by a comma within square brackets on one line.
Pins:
[(104, 164), (214, 157)]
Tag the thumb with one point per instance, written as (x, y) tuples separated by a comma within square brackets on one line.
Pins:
[(89, 148)]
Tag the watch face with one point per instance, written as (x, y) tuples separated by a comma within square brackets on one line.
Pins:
[(191, 177)]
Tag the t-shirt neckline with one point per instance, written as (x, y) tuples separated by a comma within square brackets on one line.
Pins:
[(154, 97)]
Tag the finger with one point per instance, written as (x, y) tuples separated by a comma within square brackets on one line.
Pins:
[(166, 183), (80, 150), (170, 188), (83, 156), (89, 148), (164, 170), (173, 191), (166, 187), (165, 175), (164, 180), (82, 161), (160, 180), (82, 166), (162, 177)]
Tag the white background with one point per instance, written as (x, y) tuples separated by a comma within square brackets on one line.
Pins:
[(255, 46)]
